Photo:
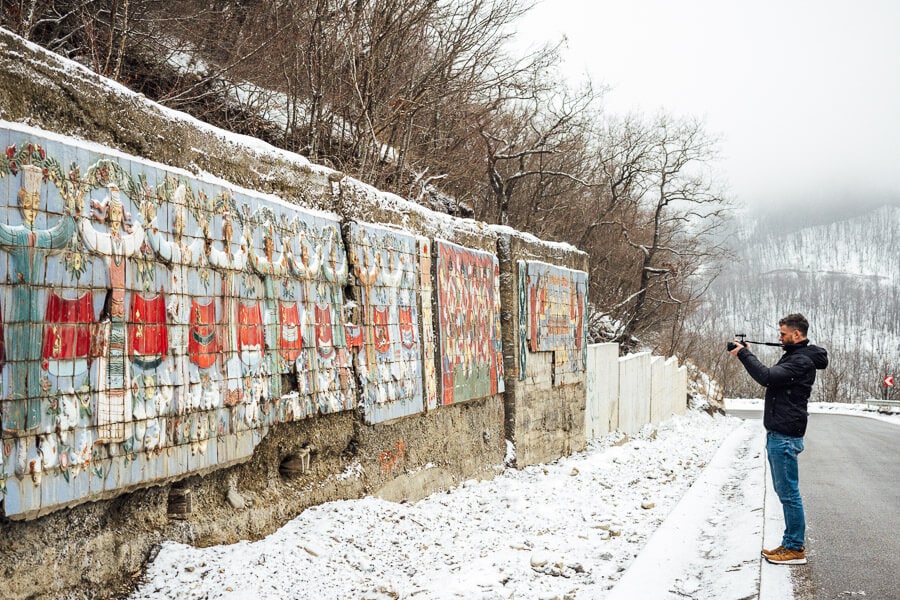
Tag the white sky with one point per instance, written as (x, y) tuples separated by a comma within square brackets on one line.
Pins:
[(806, 94)]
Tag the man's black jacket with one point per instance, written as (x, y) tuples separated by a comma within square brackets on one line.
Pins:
[(788, 384)]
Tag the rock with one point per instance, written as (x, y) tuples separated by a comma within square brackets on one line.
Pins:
[(539, 559), (647, 505), (235, 499)]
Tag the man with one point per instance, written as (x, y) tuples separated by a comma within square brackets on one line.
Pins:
[(788, 384)]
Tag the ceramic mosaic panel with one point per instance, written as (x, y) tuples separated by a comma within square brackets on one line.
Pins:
[(468, 305), (555, 303), (385, 265), (153, 324)]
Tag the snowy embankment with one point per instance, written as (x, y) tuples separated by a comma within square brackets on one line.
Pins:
[(673, 513), (569, 529)]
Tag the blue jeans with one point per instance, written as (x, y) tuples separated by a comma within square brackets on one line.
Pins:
[(782, 451)]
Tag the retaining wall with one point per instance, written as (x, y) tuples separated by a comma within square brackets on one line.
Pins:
[(675, 402), (544, 347), (658, 397), (634, 392), (210, 335), (205, 335)]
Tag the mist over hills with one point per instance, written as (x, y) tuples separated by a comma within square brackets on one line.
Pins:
[(792, 212), (842, 273)]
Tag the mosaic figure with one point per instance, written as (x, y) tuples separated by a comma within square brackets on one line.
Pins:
[(243, 323), (28, 248), (335, 271), (179, 253), (335, 384), (387, 295), (273, 271), (113, 385), (295, 310), (366, 272)]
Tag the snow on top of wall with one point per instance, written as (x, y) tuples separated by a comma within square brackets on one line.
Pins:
[(437, 224), (201, 175), (540, 262), (506, 230), (635, 356)]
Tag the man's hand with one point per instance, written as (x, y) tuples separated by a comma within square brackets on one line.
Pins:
[(738, 346)]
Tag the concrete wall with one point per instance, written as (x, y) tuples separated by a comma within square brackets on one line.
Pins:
[(679, 394), (634, 392), (624, 394), (543, 346), (658, 396), (602, 390), (675, 401), (160, 323), (397, 389), (335, 401)]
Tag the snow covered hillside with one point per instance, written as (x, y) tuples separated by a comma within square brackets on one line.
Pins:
[(844, 276)]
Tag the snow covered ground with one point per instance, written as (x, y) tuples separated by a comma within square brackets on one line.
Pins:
[(676, 512)]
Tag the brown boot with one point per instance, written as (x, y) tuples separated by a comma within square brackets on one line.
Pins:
[(788, 557), (766, 553)]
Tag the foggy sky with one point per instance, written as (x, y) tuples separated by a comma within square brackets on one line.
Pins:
[(805, 94)]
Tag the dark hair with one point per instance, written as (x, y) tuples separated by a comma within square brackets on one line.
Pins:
[(796, 321)]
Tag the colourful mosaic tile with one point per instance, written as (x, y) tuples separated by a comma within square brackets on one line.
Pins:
[(147, 315), (385, 265), (552, 308), (468, 305)]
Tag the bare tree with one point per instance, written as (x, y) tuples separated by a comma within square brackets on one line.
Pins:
[(97, 33), (650, 224), (684, 209), (539, 139)]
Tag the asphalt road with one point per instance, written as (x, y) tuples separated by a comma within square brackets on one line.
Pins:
[(850, 483)]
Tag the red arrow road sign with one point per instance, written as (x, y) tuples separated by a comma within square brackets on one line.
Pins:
[(889, 380)]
